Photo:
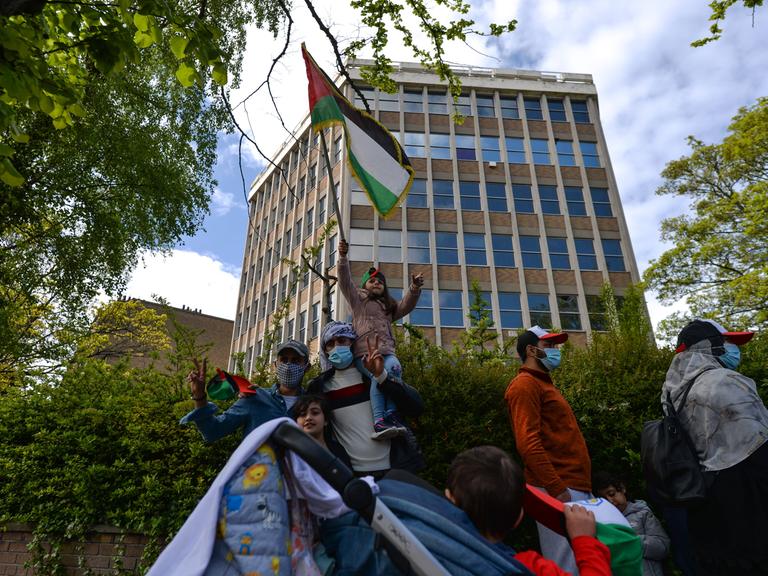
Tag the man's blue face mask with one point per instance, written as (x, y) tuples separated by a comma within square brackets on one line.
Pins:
[(552, 359), (732, 356), (341, 357)]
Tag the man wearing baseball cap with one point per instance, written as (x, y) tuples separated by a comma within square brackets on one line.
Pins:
[(547, 435), (255, 405), (728, 425)]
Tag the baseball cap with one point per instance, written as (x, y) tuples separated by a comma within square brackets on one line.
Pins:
[(373, 273), (698, 330), (299, 347), (532, 336)]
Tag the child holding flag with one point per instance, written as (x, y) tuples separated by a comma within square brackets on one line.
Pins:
[(373, 312)]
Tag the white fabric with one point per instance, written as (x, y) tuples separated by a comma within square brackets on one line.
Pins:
[(353, 426), (555, 547), (190, 550)]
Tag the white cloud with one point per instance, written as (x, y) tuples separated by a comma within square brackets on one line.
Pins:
[(187, 278), (222, 202)]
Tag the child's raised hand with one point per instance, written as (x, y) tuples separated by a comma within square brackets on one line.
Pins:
[(417, 280), (343, 247), (373, 360), (579, 521)]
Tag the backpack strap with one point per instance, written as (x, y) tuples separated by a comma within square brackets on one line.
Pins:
[(675, 410)]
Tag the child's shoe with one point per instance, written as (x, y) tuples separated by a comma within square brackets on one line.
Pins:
[(386, 428)]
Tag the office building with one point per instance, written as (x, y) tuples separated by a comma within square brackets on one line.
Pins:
[(520, 198)]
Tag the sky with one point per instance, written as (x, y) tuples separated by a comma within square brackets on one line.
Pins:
[(654, 91)]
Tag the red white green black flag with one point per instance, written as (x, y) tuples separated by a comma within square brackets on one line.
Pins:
[(377, 160)]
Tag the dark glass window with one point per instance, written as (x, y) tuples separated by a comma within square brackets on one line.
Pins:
[(465, 147), (447, 248), (485, 105), (474, 249), (463, 105), (417, 196), (614, 259), (523, 198), (533, 109), (556, 110), (438, 104), (414, 145), (558, 253), (574, 197), (549, 202), (470, 195), (540, 150), (418, 247), (515, 150), (491, 149), (440, 146), (565, 155), (412, 101), (530, 250), (509, 107), (510, 310), (568, 305), (601, 202), (589, 154), (451, 310), (503, 251), (497, 196), (442, 193), (538, 306), (580, 112), (421, 315), (585, 253)]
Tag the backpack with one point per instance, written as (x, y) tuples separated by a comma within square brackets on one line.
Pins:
[(670, 464)]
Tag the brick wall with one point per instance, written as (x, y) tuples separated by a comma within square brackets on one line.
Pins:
[(104, 550)]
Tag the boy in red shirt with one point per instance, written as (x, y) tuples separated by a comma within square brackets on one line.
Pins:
[(488, 485)]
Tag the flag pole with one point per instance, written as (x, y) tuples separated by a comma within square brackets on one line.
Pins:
[(333, 186)]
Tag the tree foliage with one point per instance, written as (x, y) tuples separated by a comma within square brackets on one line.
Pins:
[(719, 258), (719, 10)]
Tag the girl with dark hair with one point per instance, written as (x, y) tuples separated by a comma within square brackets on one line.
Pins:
[(312, 415), (373, 312)]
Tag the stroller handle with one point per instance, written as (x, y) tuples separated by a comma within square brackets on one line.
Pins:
[(355, 492)]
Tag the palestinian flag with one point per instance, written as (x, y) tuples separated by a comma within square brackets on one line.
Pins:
[(613, 530), (224, 386), (376, 159)]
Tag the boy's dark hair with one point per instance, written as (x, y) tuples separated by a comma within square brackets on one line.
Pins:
[(602, 479), (488, 485), (303, 403)]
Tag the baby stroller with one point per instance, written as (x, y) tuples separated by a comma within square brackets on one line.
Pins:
[(242, 525)]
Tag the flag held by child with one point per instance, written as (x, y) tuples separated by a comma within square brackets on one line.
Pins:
[(377, 160)]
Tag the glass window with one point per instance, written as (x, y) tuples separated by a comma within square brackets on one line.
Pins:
[(580, 111), (303, 326), (463, 105), (585, 253), (598, 317), (510, 310), (283, 288), (414, 145), (601, 202), (389, 102), (538, 306), (515, 150), (574, 197), (272, 298), (263, 310), (451, 310), (337, 148), (302, 186), (568, 305), (533, 109), (289, 329), (548, 198), (589, 154), (503, 251), (530, 250), (497, 196), (412, 101), (421, 315), (540, 149), (321, 211), (614, 259), (332, 251), (390, 246), (304, 145), (556, 110), (485, 105), (442, 193), (565, 155), (438, 104), (440, 145), (523, 199), (474, 249), (465, 147), (509, 107), (491, 148), (313, 176), (310, 220), (558, 253), (418, 248), (358, 197), (361, 244), (470, 195), (417, 197), (370, 96), (447, 248), (315, 320)]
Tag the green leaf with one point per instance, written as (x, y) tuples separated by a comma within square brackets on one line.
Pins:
[(77, 110), (60, 123), (9, 174), (186, 75), (141, 21), (46, 103), (20, 137), (220, 74), (143, 39), (179, 46), (6, 150)]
